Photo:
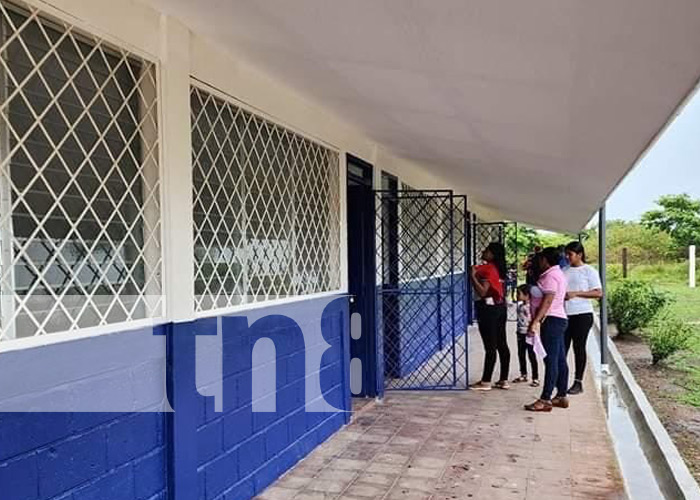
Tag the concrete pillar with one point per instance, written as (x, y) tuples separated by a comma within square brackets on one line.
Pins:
[(178, 240)]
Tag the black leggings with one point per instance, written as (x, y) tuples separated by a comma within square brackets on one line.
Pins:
[(577, 332), (525, 351), (492, 327)]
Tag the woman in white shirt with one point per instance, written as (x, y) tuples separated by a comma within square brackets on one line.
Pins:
[(583, 284)]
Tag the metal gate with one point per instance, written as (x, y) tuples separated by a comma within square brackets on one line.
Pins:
[(422, 253), (505, 233)]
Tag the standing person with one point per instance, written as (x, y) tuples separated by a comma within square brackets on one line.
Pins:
[(550, 322), (525, 350), (491, 314), (583, 284)]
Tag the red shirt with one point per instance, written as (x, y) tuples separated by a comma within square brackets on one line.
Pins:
[(489, 272)]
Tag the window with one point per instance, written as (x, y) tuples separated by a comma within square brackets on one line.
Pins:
[(266, 208), (79, 186)]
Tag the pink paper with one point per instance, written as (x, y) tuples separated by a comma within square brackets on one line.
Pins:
[(536, 343)]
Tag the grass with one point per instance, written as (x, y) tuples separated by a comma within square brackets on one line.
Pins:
[(673, 279)]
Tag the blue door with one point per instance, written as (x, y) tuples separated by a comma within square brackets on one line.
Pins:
[(362, 281)]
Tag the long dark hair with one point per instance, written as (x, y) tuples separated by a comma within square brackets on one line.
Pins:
[(534, 271), (576, 247), (499, 258), (551, 255)]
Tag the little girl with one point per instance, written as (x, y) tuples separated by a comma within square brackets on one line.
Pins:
[(524, 318)]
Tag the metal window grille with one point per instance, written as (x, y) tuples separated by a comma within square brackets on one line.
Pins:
[(266, 208), (79, 187), (429, 253)]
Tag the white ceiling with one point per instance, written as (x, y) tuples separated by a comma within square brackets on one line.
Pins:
[(534, 108)]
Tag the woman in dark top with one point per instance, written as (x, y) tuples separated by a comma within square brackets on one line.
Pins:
[(488, 281)]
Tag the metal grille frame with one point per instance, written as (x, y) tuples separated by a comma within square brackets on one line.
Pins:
[(80, 226), (422, 290), (266, 207)]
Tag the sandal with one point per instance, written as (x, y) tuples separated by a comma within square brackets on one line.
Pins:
[(481, 386), (502, 384), (521, 378), (539, 406), (535, 383)]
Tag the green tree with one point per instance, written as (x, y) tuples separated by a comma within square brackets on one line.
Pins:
[(645, 244), (559, 239), (520, 240), (679, 216)]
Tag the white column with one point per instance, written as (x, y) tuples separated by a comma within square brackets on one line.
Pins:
[(7, 273), (153, 274), (178, 238), (343, 207), (691, 264)]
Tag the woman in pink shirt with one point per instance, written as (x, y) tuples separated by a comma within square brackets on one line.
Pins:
[(550, 322)]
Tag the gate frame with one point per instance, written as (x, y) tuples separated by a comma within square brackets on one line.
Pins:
[(380, 238)]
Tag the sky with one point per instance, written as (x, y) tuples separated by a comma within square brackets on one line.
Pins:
[(672, 166)]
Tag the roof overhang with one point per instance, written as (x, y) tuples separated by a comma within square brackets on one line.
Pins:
[(535, 109)]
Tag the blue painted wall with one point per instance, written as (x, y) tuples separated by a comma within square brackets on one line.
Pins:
[(240, 452), (84, 455), (425, 316), (147, 453)]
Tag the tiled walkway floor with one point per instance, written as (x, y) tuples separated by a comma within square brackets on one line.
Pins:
[(462, 445)]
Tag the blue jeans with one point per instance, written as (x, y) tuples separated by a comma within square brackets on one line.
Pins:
[(556, 371)]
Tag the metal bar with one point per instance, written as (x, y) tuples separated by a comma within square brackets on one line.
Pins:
[(467, 288), (452, 288), (517, 259), (439, 313), (602, 240)]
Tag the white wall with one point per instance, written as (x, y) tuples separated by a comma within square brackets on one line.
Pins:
[(181, 54)]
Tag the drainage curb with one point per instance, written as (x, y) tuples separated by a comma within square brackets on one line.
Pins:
[(672, 474)]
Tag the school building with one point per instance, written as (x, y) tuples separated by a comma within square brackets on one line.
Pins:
[(295, 188)]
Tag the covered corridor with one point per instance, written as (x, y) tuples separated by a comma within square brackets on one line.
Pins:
[(443, 445), (189, 216)]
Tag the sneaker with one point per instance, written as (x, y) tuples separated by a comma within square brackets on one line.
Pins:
[(560, 402), (502, 384), (481, 386), (576, 388)]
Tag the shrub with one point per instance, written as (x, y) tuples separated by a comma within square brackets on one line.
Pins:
[(667, 335), (633, 304)]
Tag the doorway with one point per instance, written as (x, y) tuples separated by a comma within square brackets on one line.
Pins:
[(362, 279)]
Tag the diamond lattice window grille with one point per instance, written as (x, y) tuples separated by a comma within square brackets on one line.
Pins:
[(424, 239), (79, 187), (266, 207)]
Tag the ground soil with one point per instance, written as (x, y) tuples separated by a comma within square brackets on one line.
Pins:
[(661, 385)]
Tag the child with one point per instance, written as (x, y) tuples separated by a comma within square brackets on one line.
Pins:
[(524, 318)]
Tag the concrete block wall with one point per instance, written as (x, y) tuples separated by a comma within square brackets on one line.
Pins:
[(136, 450), (239, 451), (425, 316), (58, 453)]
